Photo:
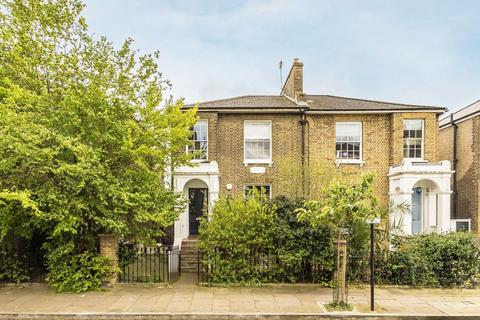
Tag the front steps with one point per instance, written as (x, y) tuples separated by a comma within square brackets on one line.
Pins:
[(189, 256)]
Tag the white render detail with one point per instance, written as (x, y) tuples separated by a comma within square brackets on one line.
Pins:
[(201, 175), (431, 182)]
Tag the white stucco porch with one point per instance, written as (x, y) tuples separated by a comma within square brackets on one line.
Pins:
[(425, 187), (202, 175)]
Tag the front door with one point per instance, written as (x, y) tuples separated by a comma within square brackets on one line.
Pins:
[(198, 204), (417, 210)]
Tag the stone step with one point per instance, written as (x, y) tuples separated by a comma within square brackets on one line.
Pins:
[(189, 252), (189, 261), (188, 247), (189, 241)]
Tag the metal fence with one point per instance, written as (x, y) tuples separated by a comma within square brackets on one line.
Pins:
[(31, 263), (268, 265), (306, 271), (142, 264)]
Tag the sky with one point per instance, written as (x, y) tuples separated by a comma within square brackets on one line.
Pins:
[(419, 52)]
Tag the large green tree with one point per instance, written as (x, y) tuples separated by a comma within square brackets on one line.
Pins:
[(87, 137)]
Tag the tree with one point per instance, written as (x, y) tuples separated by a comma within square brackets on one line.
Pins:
[(87, 135), (346, 208)]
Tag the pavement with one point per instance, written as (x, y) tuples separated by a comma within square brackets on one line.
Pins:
[(186, 300)]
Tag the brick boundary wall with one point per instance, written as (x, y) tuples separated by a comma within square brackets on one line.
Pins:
[(109, 249)]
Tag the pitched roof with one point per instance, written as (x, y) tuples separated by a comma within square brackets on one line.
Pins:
[(334, 103), (465, 113), (319, 103), (249, 102)]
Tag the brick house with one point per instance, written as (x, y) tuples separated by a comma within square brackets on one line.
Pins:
[(261, 141), (460, 136)]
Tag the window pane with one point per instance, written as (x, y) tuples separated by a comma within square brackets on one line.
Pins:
[(349, 129), (257, 131), (200, 130), (261, 190), (412, 124), (199, 145)]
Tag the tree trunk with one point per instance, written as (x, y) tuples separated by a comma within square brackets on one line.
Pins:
[(340, 292)]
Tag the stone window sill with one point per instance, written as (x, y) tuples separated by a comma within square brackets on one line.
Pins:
[(339, 162), (257, 162)]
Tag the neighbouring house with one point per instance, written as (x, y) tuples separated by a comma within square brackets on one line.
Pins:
[(241, 142), (460, 143)]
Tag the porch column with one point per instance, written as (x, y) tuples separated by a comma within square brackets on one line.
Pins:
[(406, 218), (431, 221), (443, 213)]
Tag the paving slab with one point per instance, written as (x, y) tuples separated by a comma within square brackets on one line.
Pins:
[(185, 299)]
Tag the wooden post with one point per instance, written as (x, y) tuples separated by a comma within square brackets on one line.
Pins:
[(109, 249), (341, 283)]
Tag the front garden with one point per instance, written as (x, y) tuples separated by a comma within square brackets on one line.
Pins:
[(255, 241)]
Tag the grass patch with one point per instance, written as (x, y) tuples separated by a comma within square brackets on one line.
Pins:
[(338, 306)]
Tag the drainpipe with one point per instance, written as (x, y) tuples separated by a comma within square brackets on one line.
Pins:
[(303, 123), (455, 160)]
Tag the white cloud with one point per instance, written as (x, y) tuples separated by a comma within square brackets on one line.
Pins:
[(409, 51)]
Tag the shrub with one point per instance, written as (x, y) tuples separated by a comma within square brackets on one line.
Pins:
[(433, 260), (255, 241), (12, 268), (69, 271), (234, 231), (305, 252)]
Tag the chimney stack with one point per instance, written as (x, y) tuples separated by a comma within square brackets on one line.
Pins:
[(293, 86)]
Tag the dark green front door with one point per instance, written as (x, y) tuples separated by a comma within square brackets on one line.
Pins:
[(198, 204)]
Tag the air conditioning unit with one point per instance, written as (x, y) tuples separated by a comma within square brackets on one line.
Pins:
[(460, 224)]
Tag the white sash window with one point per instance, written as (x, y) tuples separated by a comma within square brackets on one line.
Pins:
[(348, 141), (413, 139), (257, 142)]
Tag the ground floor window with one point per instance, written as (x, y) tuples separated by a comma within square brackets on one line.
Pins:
[(261, 189)]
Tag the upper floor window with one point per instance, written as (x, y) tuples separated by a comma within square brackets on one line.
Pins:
[(263, 190), (199, 146), (349, 141), (257, 142), (413, 139)]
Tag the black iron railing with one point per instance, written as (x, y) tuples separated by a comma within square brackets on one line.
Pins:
[(143, 264), (28, 264), (273, 268), (268, 266)]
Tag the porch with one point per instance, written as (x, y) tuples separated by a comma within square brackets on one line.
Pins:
[(425, 188)]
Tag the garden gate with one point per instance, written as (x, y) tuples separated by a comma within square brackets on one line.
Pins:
[(142, 264)]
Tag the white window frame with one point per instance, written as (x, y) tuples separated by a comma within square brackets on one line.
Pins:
[(360, 161), (421, 159), (257, 161), (208, 142), (258, 185)]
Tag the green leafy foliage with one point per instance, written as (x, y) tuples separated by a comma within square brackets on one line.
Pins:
[(87, 136), (12, 268), (305, 251), (76, 272), (338, 306), (345, 208), (235, 230), (251, 241), (432, 260)]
